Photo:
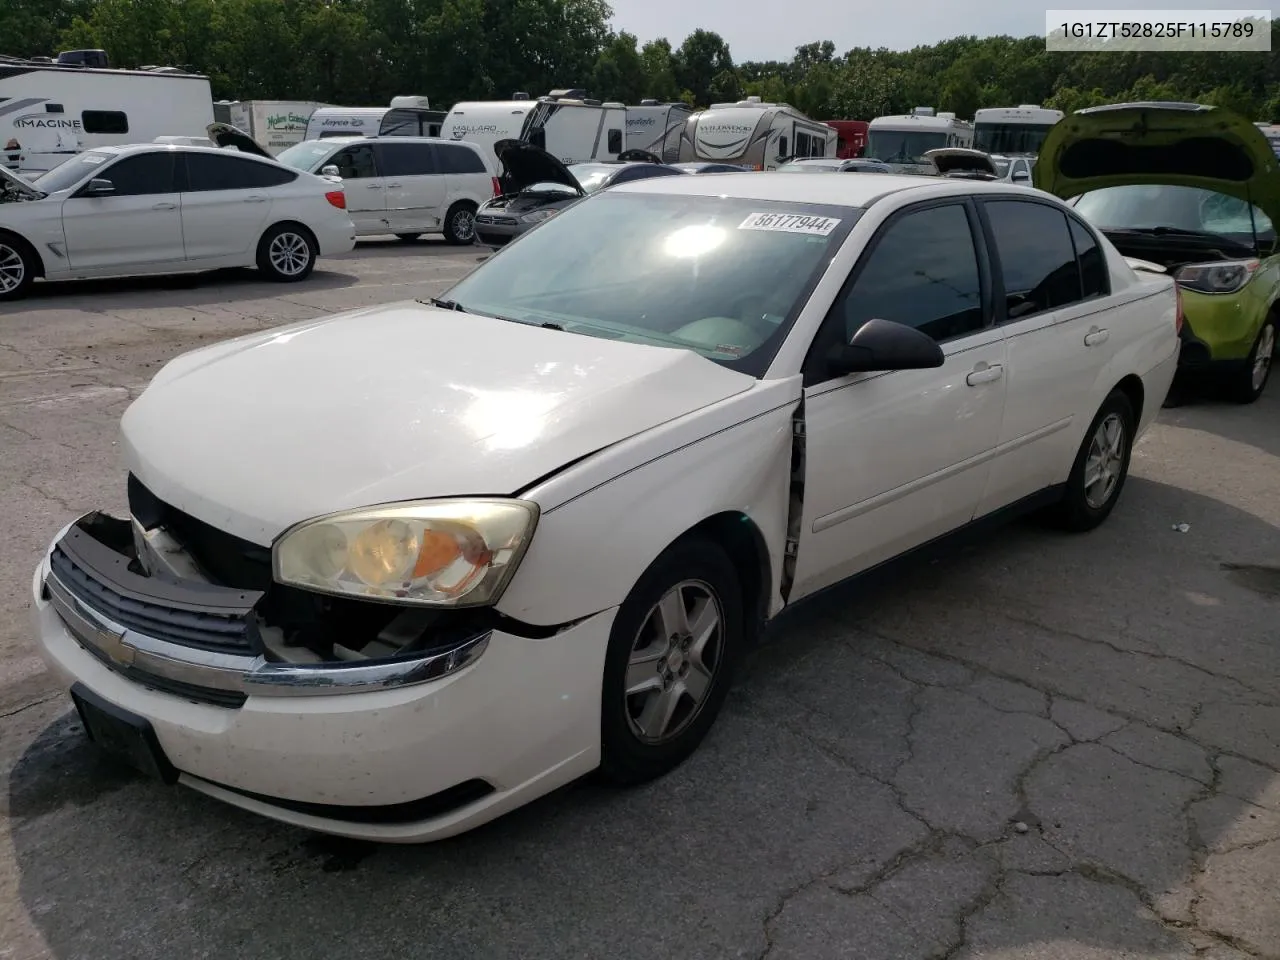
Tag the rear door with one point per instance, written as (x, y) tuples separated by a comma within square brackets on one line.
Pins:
[(413, 186), (365, 188), (226, 204), (137, 224), (466, 174)]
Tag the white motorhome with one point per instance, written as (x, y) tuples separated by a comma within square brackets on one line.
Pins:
[(754, 135), (51, 110), (1013, 131), (901, 141), (656, 128), (275, 124), (407, 116), (566, 123)]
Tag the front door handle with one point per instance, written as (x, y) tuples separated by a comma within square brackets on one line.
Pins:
[(984, 373), (164, 206), (1095, 336), (255, 198), (396, 185)]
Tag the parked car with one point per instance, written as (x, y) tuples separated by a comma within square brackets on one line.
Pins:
[(536, 186), (406, 186), (163, 208), (1194, 190), (834, 165), (395, 593), (703, 166), (974, 164)]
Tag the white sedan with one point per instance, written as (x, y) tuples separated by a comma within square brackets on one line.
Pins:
[(164, 208), (395, 572)]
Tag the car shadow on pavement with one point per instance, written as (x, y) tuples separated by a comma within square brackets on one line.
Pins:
[(1049, 744), (188, 289), (1204, 412)]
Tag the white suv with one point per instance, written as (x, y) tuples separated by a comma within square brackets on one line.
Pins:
[(405, 186)]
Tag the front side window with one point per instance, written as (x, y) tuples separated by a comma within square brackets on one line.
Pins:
[(142, 174), (1037, 257), (923, 272), (355, 162), (723, 277)]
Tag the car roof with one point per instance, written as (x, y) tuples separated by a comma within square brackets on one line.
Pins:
[(126, 149), (837, 191)]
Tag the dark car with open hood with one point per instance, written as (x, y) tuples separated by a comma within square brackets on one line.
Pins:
[(536, 186)]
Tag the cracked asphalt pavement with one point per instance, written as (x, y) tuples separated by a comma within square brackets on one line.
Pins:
[(1044, 747)]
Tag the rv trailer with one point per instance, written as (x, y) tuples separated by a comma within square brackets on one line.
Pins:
[(901, 141), (656, 128), (276, 125), (52, 109), (407, 116), (567, 124), (754, 135), (1013, 131)]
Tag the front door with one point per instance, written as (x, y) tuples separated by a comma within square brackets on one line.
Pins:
[(364, 187), (414, 184), (893, 460), (138, 224)]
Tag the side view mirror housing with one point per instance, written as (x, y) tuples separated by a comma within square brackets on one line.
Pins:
[(330, 170), (882, 345), (99, 187)]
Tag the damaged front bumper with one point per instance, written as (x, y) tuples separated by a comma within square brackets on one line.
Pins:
[(408, 748)]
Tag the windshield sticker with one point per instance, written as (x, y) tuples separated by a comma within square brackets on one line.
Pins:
[(92, 158), (790, 223)]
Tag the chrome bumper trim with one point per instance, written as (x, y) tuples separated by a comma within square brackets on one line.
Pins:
[(251, 676)]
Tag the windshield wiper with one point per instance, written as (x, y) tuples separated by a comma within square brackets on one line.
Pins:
[(444, 304), (1180, 232)]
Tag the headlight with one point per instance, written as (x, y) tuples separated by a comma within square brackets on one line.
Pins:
[(448, 553), (538, 216), (1225, 276)]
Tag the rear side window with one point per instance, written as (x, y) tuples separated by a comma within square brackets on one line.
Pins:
[(1037, 258), (142, 174), (104, 121), (405, 159), (401, 123), (455, 159), (211, 171), (1094, 277)]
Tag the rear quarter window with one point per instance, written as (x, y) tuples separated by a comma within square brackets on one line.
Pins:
[(211, 171)]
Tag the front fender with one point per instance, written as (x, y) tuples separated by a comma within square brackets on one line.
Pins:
[(606, 519)]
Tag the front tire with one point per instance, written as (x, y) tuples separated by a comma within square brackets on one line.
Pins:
[(1251, 380), (459, 224), (18, 267), (287, 253), (1100, 469), (672, 650)]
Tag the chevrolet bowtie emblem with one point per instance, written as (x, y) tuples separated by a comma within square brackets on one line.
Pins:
[(113, 645)]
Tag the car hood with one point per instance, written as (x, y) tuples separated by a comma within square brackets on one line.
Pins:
[(523, 165), (391, 403), (225, 135), (1174, 144), (947, 160), (21, 184)]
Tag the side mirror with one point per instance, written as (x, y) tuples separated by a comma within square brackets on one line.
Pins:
[(881, 345), (99, 187), (330, 170)]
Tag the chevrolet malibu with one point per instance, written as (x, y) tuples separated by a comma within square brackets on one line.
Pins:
[(392, 573)]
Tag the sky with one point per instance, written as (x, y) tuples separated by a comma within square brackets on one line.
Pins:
[(772, 29)]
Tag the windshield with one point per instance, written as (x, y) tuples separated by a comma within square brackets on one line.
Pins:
[(591, 175), (1010, 137), (721, 276), (1001, 165), (304, 156), (1148, 206), (903, 146), (70, 172)]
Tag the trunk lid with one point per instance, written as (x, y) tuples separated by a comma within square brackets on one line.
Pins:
[(225, 135)]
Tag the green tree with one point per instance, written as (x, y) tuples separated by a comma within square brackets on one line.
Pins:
[(701, 58), (619, 72), (660, 71)]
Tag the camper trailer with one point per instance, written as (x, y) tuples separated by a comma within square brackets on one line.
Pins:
[(656, 128), (566, 123), (851, 137), (901, 141), (275, 124), (754, 135), (407, 116), (1013, 131), (51, 109)]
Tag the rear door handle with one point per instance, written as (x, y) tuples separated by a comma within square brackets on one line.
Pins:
[(984, 374), (1096, 336), (255, 198), (373, 186), (397, 185), (164, 206)]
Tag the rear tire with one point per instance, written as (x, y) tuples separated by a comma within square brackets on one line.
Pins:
[(18, 267), (669, 665), (1100, 469), (459, 223), (287, 253), (1248, 383)]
